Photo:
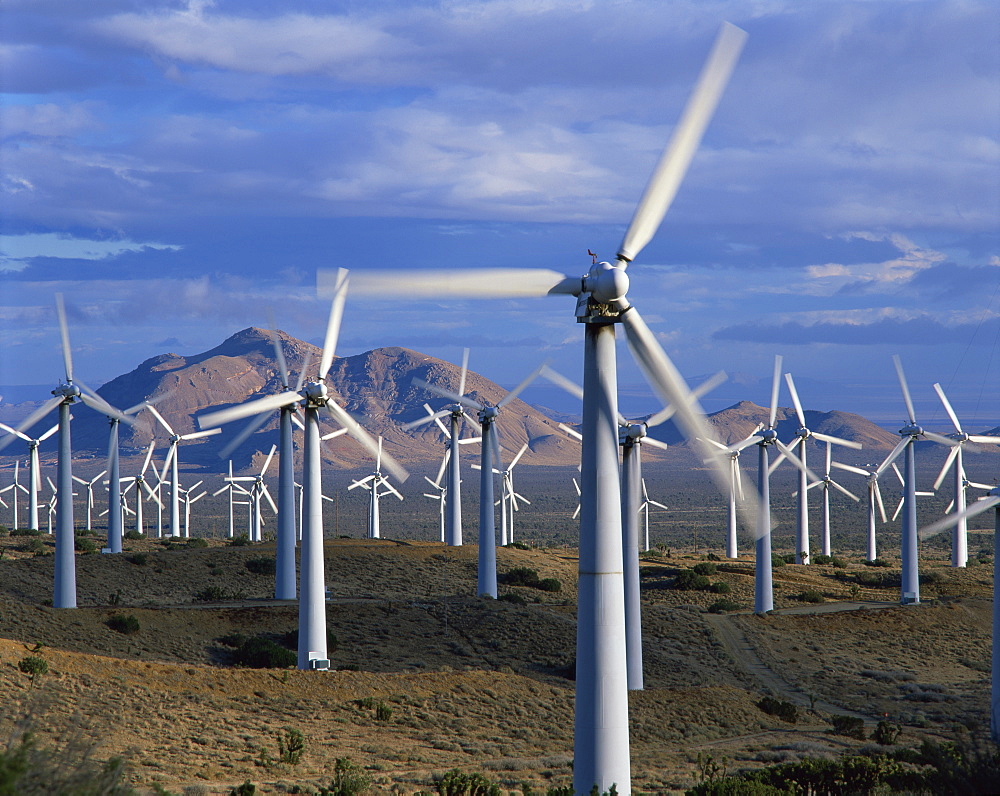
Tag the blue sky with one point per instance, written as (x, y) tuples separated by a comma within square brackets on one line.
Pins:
[(178, 169)]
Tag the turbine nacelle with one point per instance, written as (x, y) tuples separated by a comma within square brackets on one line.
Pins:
[(803, 432), (67, 391), (767, 436), (911, 430), (631, 433), (488, 414), (315, 393)]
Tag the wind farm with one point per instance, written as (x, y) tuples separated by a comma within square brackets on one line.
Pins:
[(422, 221)]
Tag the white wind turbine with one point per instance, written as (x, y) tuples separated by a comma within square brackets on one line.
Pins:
[(170, 463), (188, 502), (825, 483), (959, 538), (14, 488), (285, 536), (735, 484), (257, 491), (441, 489), (456, 414), (315, 396), (647, 501), (509, 498), (487, 414), (991, 501), (64, 590), (229, 487), (763, 438), (874, 503), (601, 745), (910, 433), (89, 486), (138, 482), (378, 487), (34, 468), (804, 434)]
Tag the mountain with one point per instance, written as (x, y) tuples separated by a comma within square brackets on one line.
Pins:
[(375, 386), (739, 421)]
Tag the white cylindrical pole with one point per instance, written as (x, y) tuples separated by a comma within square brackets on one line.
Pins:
[(872, 551), (826, 521), (731, 547), (910, 590), (64, 595), (960, 533), (175, 496), (763, 586), (312, 590), (453, 530), (631, 474), (601, 732), (284, 578), (802, 518), (487, 573), (115, 532), (36, 477)]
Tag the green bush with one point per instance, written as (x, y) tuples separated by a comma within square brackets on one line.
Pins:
[(197, 541), (35, 546), (27, 532), (240, 541), (513, 597), (246, 789), (139, 559), (291, 746), (519, 546), (383, 712), (261, 652), (519, 576), (689, 580), (886, 733), (550, 584), (876, 562), (777, 561), (811, 596), (457, 783), (721, 606), (134, 535), (232, 639), (211, 594), (33, 665), (126, 624), (261, 565), (348, 780), (878, 580), (720, 587), (83, 545), (66, 770), (705, 568), (851, 726), (786, 711)]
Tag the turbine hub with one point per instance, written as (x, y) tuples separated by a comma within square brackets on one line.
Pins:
[(803, 432), (631, 433), (489, 414), (767, 435), (67, 391), (606, 283), (315, 393), (912, 430)]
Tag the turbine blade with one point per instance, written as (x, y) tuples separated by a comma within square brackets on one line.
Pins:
[(795, 400), (775, 386), (899, 475), (257, 406), (240, 438), (795, 460), (851, 495), (267, 462), (571, 431), (948, 408), (15, 432), (700, 391), (465, 370), (953, 519), (687, 135), (520, 387), (893, 455), (468, 283), (160, 419), (146, 461), (949, 460), (340, 282), (517, 457), (200, 434), (279, 353), (364, 438), (267, 495), (941, 438), (559, 380), (655, 443), (984, 440), (64, 335), (881, 505), (905, 388), (33, 418), (899, 506), (334, 434), (451, 396), (850, 468), (847, 443), (306, 364)]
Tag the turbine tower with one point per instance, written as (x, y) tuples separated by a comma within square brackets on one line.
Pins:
[(315, 396), (991, 501), (509, 498), (14, 488), (138, 482), (258, 490), (910, 433), (874, 503), (735, 495), (825, 484), (804, 434), (959, 532), (601, 744)]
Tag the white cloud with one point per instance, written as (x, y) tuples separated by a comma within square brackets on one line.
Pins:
[(17, 250)]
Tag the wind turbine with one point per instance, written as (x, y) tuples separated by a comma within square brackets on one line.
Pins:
[(735, 492), (802, 517), (442, 490), (456, 414), (825, 483), (170, 463), (874, 502), (64, 590), (256, 492), (487, 414), (188, 502), (315, 396), (991, 501), (509, 498), (910, 433), (647, 501), (89, 486), (34, 468), (601, 745), (959, 537), (763, 438), (229, 487), (138, 482), (375, 483), (14, 488)]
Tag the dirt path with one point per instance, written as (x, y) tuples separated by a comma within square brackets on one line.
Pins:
[(738, 645)]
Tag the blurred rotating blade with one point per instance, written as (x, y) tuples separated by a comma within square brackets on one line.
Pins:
[(261, 405), (905, 388), (684, 143), (30, 420), (953, 519), (340, 280), (64, 335), (242, 437), (464, 283), (446, 393), (665, 380), (365, 439)]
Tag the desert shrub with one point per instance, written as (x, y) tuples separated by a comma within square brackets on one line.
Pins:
[(125, 624), (383, 712), (650, 572), (139, 559), (886, 733), (134, 535), (197, 541), (822, 560), (930, 577), (786, 711), (26, 770), (348, 779), (721, 606), (35, 546), (720, 587), (811, 596), (878, 580), (211, 594), (566, 790), (713, 557), (83, 545), (689, 580), (457, 783), (519, 576), (876, 562), (851, 726), (291, 746), (240, 541), (232, 639), (33, 665), (519, 546), (27, 532), (246, 789), (261, 565), (550, 584), (513, 597), (777, 561), (261, 652), (291, 640), (705, 568)]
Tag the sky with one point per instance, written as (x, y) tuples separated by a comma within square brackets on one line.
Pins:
[(180, 169)]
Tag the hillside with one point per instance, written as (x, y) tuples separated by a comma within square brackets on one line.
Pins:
[(481, 685)]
